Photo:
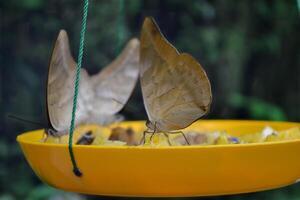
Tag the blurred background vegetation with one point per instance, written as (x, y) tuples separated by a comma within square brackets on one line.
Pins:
[(250, 50)]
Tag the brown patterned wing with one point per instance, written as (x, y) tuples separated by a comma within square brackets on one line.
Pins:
[(176, 90), (60, 87), (115, 83)]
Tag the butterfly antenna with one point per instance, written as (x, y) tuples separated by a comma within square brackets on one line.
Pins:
[(184, 136), (24, 120)]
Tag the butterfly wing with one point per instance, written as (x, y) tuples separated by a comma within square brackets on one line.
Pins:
[(115, 83), (60, 87), (176, 90)]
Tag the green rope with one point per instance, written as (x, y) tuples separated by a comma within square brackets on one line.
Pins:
[(298, 4), (78, 67)]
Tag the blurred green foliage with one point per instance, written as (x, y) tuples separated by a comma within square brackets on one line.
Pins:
[(250, 50), (257, 108)]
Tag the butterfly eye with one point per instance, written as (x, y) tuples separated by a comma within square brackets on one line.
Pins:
[(149, 124), (86, 139), (51, 132)]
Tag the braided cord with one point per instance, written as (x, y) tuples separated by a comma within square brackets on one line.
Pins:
[(76, 170)]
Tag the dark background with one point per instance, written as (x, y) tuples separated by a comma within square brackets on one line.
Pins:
[(250, 50)]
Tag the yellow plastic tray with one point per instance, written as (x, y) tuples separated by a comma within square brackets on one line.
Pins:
[(170, 171)]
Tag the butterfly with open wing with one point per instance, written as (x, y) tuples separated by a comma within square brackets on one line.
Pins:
[(176, 90), (100, 96)]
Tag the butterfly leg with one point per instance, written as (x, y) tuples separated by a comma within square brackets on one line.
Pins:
[(45, 136), (184, 136), (151, 137), (143, 140), (154, 131), (168, 138)]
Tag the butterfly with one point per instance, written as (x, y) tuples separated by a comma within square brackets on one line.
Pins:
[(100, 96), (175, 88)]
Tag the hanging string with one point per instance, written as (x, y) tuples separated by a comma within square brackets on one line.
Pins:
[(76, 170), (120, 27), (298, 4)]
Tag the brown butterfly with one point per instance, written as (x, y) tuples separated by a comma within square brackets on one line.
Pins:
[(175, 88), (100, 96)]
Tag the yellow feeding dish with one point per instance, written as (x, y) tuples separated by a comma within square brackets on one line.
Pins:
[(170, 171)]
